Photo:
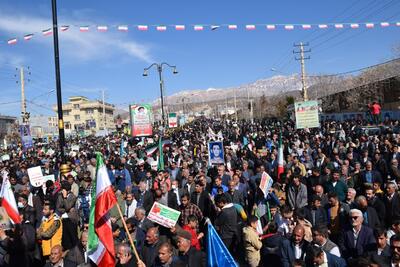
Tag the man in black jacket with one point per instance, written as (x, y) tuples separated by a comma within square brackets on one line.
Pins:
[(376, 203), (226, 222), (369, 213), (316, 214), (392, 203), (201, 199)]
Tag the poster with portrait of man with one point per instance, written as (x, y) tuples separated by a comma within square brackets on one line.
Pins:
[(216, 153), (141, 120)]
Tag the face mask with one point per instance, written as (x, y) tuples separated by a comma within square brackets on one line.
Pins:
[(20, 205)]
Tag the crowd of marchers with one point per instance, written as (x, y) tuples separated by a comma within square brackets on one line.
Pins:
[(335, 204)]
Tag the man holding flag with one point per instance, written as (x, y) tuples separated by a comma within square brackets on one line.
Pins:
[(8, 200)]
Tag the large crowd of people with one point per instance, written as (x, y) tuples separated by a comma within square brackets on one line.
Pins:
[(336, 204)]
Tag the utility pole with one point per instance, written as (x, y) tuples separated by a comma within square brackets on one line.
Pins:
[(104, 113), (303, 69), (236, 116), (24, 114)]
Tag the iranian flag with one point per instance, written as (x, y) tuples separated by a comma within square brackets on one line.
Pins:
[(306, 26), (100, 242), (289, 27), (385, 24), (161, 28), (398, 24), (84, 28), (143, 27), (8, 200), (47, 32), (280, 158), (28, 37), (232, 27), (102, 28), (123, 28), (180, 27), (12, 41), (323, 26), (198, 27), (339, 26), (250, 27), (369, 25), (271, 27), (64, 28), (354, 26)]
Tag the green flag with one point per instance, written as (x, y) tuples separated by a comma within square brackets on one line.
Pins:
[(161, 155), (93, 240)]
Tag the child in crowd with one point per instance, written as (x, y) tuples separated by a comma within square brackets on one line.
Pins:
[(191, 227)]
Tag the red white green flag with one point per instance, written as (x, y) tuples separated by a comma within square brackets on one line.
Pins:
[(161, 28), (100, 242), (369, 25), (289, 27), (232, 27), (64, 28), (280, 158), (306, 26), (198, 27), (180, 27), (12, 41), (28, 37), (250, 27), (102, 28), (123, 28), (47, 32), (8, 199), (84, 28), (143, 27)]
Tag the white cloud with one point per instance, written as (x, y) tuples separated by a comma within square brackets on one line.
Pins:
[(74, 44)]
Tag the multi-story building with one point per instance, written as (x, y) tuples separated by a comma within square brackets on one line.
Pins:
[(83, 115), (42, 125), (7, 126)]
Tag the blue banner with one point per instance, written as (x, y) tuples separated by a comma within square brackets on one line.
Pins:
[(217, 253)]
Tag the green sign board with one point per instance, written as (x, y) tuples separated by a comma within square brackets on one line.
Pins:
[(306, 114)]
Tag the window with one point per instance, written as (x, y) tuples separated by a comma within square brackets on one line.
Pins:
[(77, 117), (89, 111), (76, 106), (66, 112)]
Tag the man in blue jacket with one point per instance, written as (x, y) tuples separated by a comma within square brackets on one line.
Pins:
[(318, 257)]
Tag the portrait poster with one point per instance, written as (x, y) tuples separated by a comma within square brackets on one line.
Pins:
[(216, 153), (141, 120), (26, 137)]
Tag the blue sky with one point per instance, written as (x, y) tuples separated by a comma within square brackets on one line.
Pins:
[(114, 61)]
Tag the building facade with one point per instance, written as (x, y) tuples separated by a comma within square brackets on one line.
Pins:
[(83, 115), (42, 126), (7, 126)]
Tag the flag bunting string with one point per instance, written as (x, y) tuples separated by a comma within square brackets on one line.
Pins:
[(204, 27)]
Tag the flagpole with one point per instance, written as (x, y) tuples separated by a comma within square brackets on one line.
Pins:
[(127, 232)]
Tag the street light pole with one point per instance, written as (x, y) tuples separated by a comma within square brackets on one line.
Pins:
[(61, 134), (160, 70)]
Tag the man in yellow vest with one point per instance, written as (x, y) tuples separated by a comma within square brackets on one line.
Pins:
[(50, 230)]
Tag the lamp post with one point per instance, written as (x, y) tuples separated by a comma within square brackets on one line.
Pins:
[(160, 68), (64, 168)]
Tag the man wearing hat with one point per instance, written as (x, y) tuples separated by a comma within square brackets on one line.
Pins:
[(188, 254)]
